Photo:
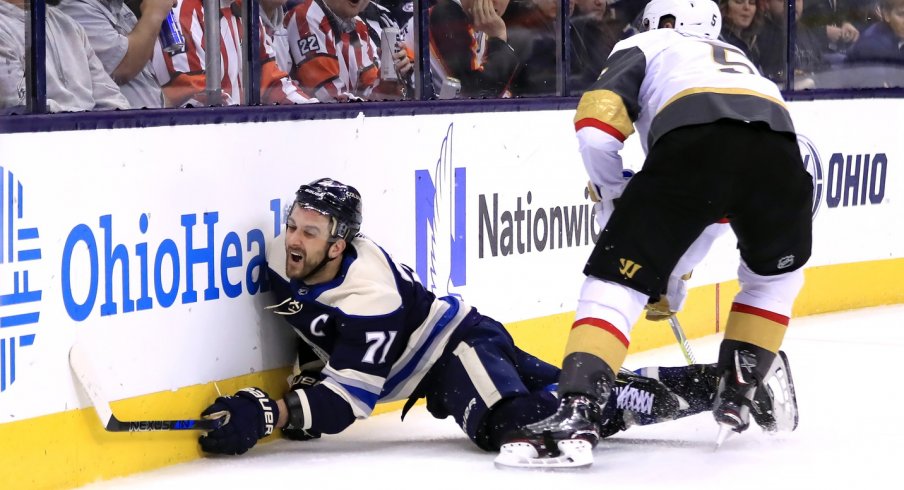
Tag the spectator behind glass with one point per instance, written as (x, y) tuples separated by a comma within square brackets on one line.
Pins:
[(183, 75), (740, 24), (400, 10), (334, 56), (379, 18), (532, 34), (773, 39), (469, 48), (124, 44), (595, 8), (882, 42), (595, 29), (76, 79), (833, 20), (630, 13), (273, 16)]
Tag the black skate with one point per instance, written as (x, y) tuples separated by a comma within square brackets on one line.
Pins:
[(774, 405), (747, 389), (642, 400), (693, 386), (563, 440), (734, 395)]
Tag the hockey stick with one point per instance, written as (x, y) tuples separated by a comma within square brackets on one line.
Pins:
[(87, 376), (682, 339)]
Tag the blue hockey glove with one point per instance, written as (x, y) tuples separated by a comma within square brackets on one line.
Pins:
[(251, 414)]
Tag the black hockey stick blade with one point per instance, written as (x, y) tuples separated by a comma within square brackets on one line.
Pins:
[(88, 377), (116, 425)]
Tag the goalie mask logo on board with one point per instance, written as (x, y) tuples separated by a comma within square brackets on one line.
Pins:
[(20, 293)]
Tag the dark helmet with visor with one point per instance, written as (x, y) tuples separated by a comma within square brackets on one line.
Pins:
[(342, 203)]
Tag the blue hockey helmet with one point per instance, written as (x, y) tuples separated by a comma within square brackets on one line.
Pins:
[(342, 203)]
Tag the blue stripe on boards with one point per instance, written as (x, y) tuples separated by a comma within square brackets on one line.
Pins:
[(12, 360), (2, 364), (2, 207), (9, 216)]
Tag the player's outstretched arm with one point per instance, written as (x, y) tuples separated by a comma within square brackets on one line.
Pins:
[(250, 415)]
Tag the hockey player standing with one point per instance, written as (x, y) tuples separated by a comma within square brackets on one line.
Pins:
[(371, 332), (719, 142)]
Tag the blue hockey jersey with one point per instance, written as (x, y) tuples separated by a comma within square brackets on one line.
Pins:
[(375, 326)]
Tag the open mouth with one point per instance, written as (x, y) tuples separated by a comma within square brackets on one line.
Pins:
[(296, 257)]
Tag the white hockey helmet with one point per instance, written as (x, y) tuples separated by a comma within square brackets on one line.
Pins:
[(700, 18)]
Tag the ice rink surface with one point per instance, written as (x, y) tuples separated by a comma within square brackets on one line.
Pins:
[(845, 368)]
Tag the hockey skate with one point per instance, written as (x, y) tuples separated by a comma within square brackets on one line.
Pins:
[(563, 440), (772, 402), (642, 400), (775, 404)]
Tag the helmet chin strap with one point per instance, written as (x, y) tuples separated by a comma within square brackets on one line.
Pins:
[(321, 265)]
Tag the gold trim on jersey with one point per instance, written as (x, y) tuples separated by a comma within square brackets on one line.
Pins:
[(720, 90), (597, 342), (708, 105), (755, 330), (608, 107)]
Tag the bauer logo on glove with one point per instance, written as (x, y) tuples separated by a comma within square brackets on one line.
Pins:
[(250, 415)]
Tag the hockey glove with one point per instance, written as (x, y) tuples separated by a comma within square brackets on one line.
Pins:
[(659, 310), (301, 381), (250, 415), (671, 300)]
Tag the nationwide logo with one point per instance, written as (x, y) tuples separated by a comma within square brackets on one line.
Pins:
[(506, 224), (20, 299), (440, 223)]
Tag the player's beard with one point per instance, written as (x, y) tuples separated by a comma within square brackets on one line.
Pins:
[(311, 264)]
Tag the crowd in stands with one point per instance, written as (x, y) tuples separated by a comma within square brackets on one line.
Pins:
[(105, 54)]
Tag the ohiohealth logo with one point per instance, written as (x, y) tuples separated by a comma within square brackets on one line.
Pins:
[(19, 302), (845, 179), (440, 223), (813, 164)]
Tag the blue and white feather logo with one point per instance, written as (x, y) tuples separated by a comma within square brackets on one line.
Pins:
[(440, 209), (19, 298)]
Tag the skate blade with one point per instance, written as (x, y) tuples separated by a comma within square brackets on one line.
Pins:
[(575, 453), (784, 398), (725, 431)]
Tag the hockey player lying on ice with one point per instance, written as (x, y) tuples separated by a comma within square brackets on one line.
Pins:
[(379, 335)]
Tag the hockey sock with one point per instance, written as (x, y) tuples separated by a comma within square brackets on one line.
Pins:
[(513, 413)]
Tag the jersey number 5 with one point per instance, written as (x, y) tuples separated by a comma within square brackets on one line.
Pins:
[(720, 56), (377, 340)]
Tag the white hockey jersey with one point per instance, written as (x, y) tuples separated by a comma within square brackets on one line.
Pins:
[(661, 80)]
